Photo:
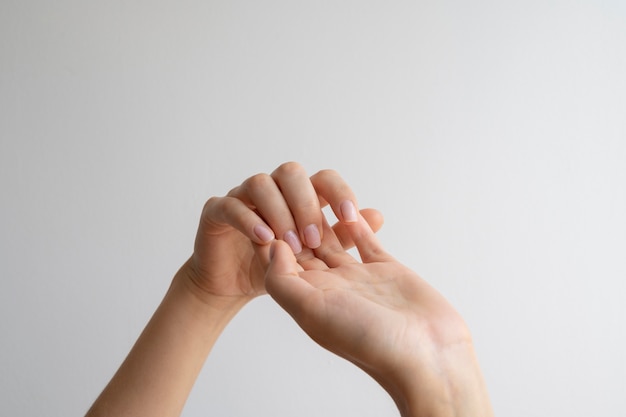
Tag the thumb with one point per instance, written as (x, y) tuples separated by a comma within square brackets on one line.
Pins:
[(282, 261), (282, 281)]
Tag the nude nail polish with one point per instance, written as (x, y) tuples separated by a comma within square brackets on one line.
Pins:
[(293, 241), (263, 233), (312, 236), (348, 211)]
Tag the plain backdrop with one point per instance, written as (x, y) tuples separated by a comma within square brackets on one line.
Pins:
[(491, 134)]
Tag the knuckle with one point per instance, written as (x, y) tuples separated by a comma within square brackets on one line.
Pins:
[(326, 176), (307, 206), (330, 182), (328, 173), (211, 207), (289, 169), (210, 204), (234, 191), (258, 181), (216, 205)]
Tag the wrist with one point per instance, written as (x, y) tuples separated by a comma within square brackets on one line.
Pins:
[(446, 382), (187, 280)]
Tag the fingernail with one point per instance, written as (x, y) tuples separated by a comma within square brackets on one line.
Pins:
[(348, 211), (272, 250), (263, 233), (293, 241), (312, 236)]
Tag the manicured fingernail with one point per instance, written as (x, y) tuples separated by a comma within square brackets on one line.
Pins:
[(348, 211), (263, 233), (272, 250), (293, 241), (312, 236)]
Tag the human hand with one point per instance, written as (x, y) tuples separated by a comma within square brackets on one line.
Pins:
[(384, 318), (232, 243)]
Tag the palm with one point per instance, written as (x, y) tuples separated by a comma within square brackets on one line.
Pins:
[(363, 311), (376, 313)]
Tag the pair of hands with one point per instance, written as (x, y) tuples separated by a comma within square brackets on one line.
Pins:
[(270, 235)]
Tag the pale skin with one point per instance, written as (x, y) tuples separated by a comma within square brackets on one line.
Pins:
[(270, 235)]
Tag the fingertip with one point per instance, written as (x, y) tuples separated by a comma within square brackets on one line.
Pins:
[(264, 233), (273, 249), (293, 241), (281, 256), (374, 218), (312, 236), (278, 246), (348, 211)]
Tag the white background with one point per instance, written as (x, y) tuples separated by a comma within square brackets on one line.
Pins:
[(491, 134)]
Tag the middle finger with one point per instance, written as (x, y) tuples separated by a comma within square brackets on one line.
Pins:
[(261, 193), (302, 200)]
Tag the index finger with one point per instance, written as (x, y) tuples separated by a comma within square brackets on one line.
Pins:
[(332, 189)]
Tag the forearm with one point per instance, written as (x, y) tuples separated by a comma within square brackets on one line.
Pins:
[(160, 370)]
